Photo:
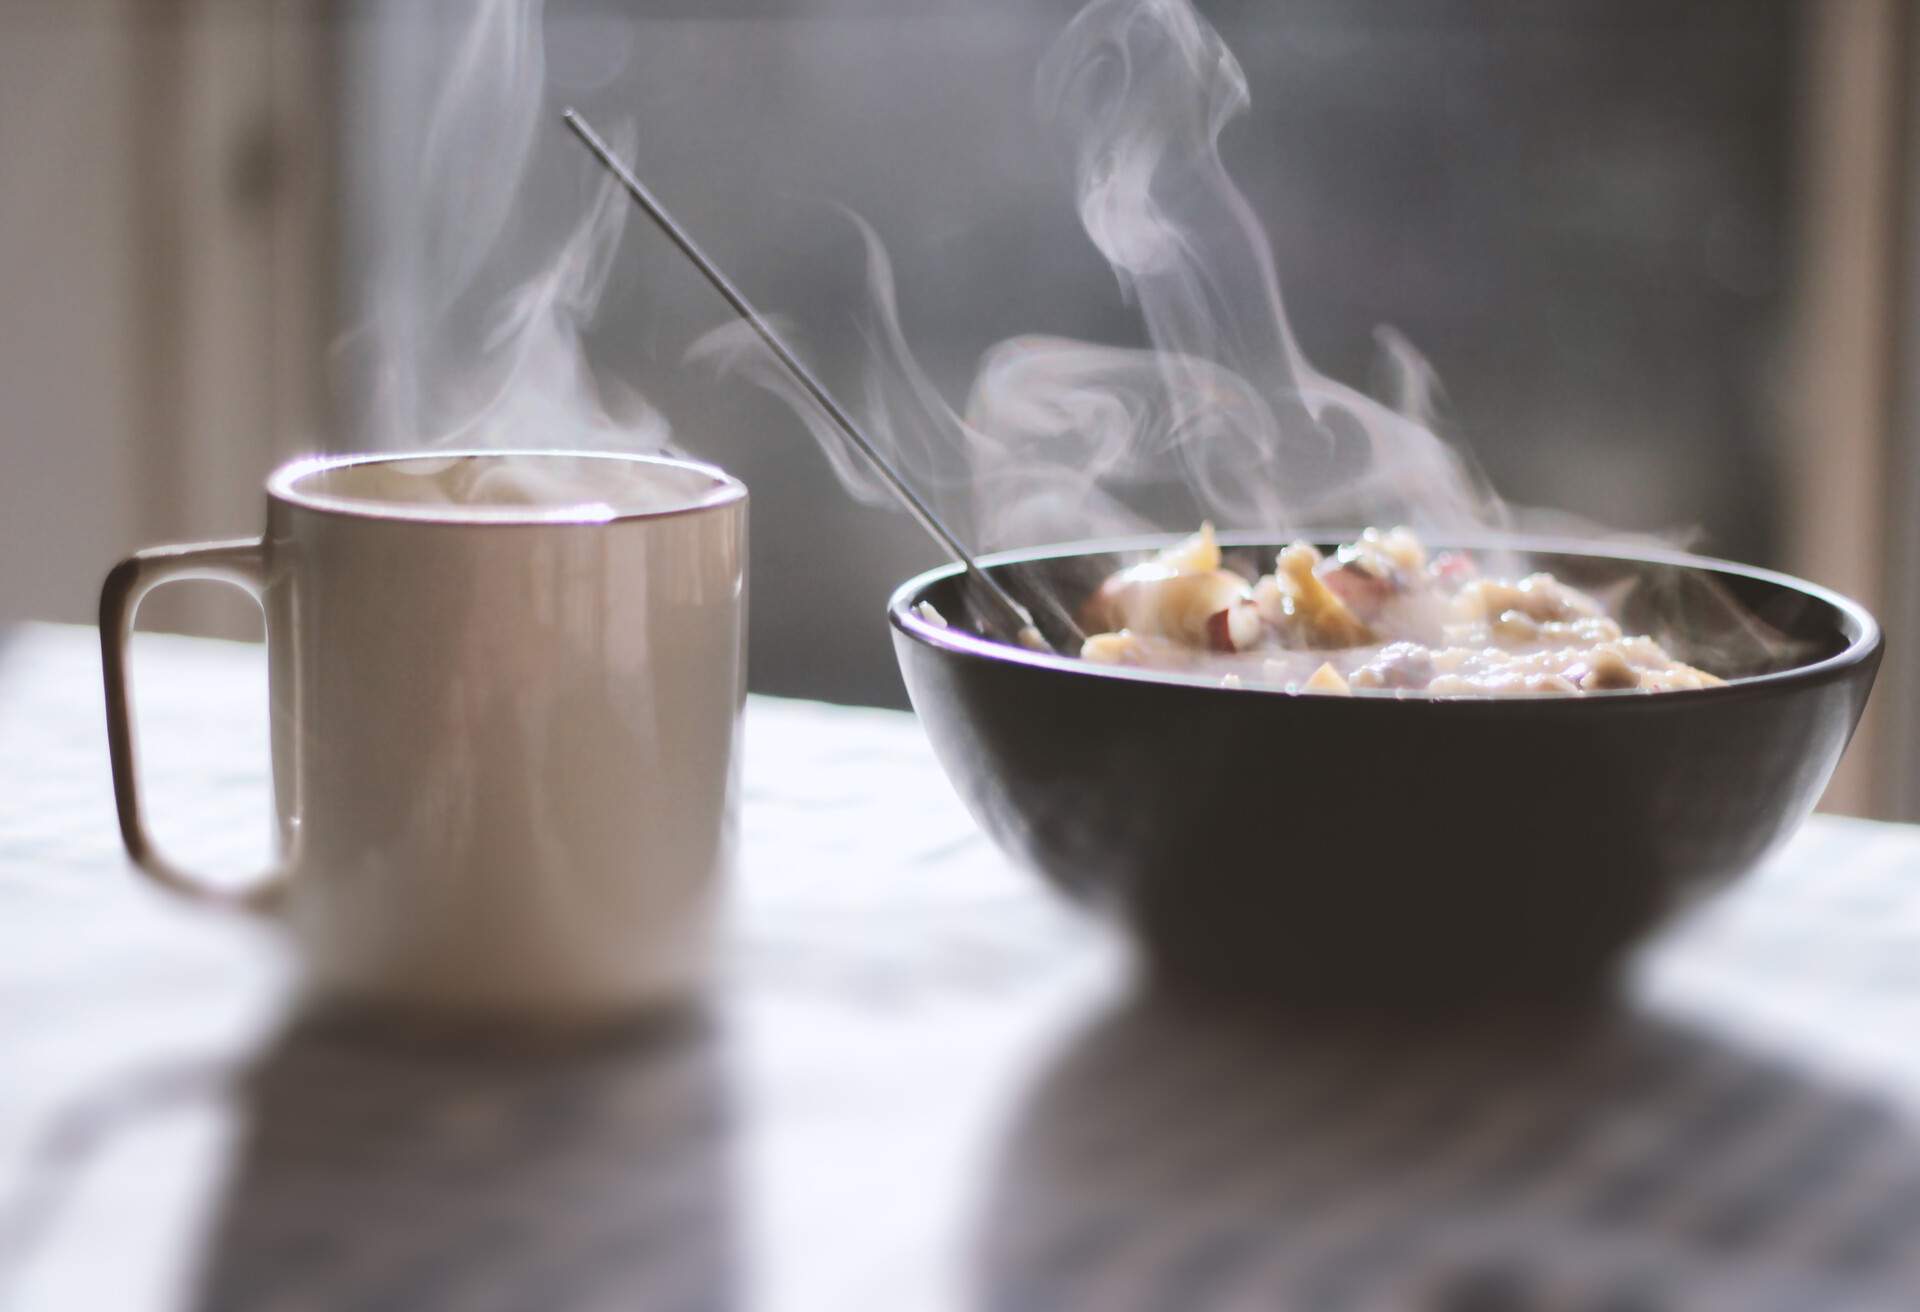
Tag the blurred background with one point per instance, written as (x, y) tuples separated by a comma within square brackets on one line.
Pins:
[(1658, 251)]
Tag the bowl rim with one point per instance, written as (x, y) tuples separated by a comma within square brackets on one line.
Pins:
[(1863, 646)]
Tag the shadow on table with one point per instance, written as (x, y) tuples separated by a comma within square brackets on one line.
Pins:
[(1604, 1159), (395, 1168)]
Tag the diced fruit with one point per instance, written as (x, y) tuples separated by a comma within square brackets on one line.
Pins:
[(1111, 649), (1237, 628), (1363, 591), (1321, 618), (1178, 606), (1327, 680), (1198, 554)]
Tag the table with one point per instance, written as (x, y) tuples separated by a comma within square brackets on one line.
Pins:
[(921, 1083)]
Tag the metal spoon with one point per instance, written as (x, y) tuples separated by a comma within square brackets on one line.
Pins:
[(1018, 615)]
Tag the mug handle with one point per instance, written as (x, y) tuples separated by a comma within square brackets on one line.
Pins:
[(243, 563)]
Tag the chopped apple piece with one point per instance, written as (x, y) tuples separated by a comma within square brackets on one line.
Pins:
[(1327, 680), (1323, 619), (1121, 648)]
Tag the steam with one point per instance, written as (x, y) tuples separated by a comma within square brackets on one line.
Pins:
[(1142, 90), (1056, 439), (1028, 455), (1059, 437), (461, 349)]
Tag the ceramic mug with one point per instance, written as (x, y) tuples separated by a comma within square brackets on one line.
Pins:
[(506, 693)]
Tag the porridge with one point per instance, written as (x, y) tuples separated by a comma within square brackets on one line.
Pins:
[(1379, 615)]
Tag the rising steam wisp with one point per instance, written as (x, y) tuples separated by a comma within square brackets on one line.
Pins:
[(1057, 432), (464, 348)]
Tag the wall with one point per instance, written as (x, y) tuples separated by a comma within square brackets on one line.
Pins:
[(162, 271), (69, 399)]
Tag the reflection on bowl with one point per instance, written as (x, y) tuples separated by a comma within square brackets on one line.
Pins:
[(1379, 849)]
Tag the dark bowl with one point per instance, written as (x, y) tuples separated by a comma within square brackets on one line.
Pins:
[(1376, 849)]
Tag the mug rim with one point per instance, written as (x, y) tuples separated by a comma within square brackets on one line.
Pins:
[(282, 486)]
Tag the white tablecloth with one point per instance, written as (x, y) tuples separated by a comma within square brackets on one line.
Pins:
[(923, 1083)]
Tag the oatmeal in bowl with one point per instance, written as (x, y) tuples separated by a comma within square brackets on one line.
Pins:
[(1379, 615)]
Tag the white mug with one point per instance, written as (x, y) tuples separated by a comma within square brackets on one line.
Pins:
[(506, 696)]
